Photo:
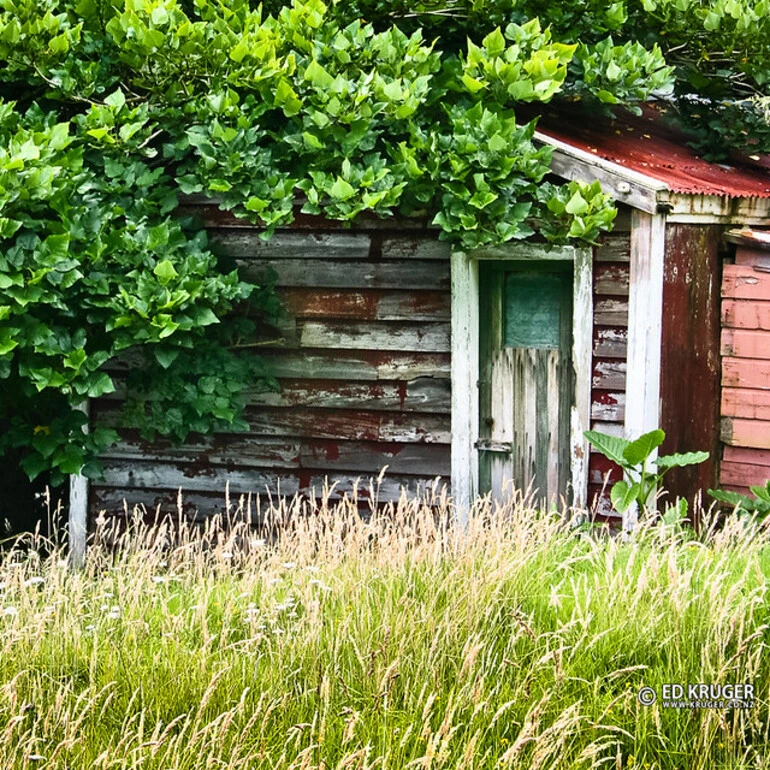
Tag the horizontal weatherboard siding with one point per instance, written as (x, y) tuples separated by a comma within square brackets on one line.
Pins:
[(362, 361)]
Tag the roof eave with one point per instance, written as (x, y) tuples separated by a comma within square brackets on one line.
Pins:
[(651, 195)]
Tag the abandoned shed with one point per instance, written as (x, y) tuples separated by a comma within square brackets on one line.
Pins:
[(483, 369)]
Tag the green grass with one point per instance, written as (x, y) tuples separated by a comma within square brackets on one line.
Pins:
[(391, 644)]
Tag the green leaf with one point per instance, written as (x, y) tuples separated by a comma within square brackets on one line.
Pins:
[(100, 385), (165, 271), (576, 204), (116, 100), (34, 464), (612, 447), (342, 190), (318, 76), (732, 498), (165, 356), (622, 495), (640, 449), (681, 460)]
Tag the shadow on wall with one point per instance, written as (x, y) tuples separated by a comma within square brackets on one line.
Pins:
[(29, 505)]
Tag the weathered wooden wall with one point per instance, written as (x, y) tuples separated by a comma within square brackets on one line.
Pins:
[(364, 370), (745, 403), (608, 387), (689, 372)]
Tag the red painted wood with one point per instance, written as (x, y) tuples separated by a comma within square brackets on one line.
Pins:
[(746, 343), (745, 373), (742, 402), (745, 314), (367, 305), (743, 475), (746, 433), (690, 366), (745, 282), (750, 456), (748, 256)]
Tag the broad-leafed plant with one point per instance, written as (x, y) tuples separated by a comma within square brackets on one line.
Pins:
[(642, 476)]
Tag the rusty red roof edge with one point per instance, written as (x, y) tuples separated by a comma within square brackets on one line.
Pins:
[(648, 144)]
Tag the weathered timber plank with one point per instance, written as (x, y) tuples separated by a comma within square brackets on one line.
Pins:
[(609, 407), (746, 373), (344, 424), (425, 460), (340, 274), (737, 431), (400, 247), (746, 343), (246, 243), (610, 343), (350, 424), (734, 454), (160, 476), (609, 375), (357, 365), (233, 451), (367, 305), (745, 282), (743, 474), (425, 394), (611, 279), (611, 312), (745, 314), (195, 506), (614, 248), (429, 337), (745, 402)]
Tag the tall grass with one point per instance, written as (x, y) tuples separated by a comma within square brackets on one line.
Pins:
[(398, 642)]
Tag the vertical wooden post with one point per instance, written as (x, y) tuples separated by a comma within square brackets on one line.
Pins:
[(78, 511), (645, 320), (465, 368), (582, 347)]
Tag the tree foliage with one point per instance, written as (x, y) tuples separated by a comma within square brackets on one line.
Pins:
[(110, 109)]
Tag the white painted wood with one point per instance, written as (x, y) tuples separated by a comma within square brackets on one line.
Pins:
[(582, 345), (78, 512), (465, 375), (645, 319)]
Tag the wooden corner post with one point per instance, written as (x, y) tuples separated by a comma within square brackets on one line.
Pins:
[(78, 511), (645, 324), (465, 366)]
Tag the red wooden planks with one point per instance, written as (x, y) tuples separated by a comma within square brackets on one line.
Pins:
[(745, 282)]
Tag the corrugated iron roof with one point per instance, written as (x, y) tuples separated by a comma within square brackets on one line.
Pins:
[(649, 145)]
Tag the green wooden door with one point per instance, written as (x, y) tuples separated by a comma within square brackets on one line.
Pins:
[(526, 380)]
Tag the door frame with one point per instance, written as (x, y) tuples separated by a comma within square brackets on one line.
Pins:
[(465, 363)]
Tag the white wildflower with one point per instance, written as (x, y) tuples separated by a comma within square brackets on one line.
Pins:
[(289, 565), (227, 554), (312, 568), (34, 581), (257, 542), (158, 579), (11, 612)]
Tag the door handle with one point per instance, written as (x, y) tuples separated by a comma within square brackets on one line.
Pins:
[(499, 447)]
